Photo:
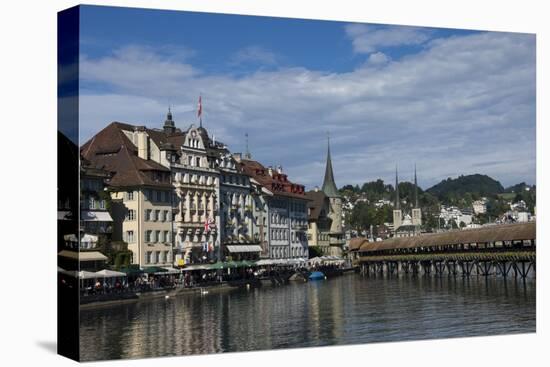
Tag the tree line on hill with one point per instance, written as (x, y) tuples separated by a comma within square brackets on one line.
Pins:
[(460, 192)]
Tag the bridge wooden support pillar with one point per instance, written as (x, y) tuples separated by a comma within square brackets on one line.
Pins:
[(405, 267), (439, 267), (522, 268), (466, 267), (504, 267), (451, 268), (391, 267), (379, 267), (426, 266), (414, 267), (484, 268)]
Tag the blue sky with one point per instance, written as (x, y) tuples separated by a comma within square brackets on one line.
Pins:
[(453, 101)]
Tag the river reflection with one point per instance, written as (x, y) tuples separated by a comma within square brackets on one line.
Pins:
[(345, 310)]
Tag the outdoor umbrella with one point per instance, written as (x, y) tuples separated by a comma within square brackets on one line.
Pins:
[(105, 273)]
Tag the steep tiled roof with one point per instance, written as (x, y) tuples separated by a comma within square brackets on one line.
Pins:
[(316, 204), (111, 150), (278, 184)]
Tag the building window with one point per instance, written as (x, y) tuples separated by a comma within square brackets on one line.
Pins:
[(129, 237), (157, 215), (157, 236), (92, 202), (198, 160), (148, 236), (148, 255), (157, 257), (148, 214), (130, 195), (167, 256), (131, 215)]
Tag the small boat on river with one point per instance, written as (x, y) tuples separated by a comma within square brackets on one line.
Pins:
[(317, 275)]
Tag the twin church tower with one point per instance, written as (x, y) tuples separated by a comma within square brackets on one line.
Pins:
[(415, 219)]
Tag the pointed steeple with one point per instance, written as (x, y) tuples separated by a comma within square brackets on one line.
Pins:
[(415, 188), (397, 200), (329, 186)]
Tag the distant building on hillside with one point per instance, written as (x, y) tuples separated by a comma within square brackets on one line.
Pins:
[(480, 206)]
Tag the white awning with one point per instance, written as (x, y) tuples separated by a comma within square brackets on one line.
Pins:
[(244, 248), (95, 216), (105, 273), (83, 274), (83, 255)]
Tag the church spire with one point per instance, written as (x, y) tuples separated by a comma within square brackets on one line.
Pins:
[(329, 186), (415, 188), (397, 201), (169, 126)]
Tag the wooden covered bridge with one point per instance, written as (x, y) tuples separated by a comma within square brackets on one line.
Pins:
[(495, 249)]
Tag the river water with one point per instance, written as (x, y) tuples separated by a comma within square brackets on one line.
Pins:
[(349, 309)]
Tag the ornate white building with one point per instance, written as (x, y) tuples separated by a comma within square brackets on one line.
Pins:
[(197, 190)]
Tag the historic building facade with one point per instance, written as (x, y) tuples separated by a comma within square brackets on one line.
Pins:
[(325, 218), (280, 211), (197, 191), (95, 220), (179, 197), (140, 191), (238, 238)]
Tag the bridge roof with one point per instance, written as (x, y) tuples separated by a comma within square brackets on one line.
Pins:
[(505, 232)]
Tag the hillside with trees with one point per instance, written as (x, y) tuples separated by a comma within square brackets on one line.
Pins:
[(476, 185), (461, 192)]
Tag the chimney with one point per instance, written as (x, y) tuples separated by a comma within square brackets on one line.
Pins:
[(270, 171), (279, 169), (142, 142)]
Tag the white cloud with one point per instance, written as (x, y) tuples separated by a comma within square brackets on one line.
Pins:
[(370, 38), (254, 54), (462, 105), (378, 58)]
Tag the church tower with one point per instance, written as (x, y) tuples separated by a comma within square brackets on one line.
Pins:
[(335, 207), (169, 125), (397, 214), (416, 212)]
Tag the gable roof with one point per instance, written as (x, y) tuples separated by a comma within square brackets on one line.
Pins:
[(111, 150)]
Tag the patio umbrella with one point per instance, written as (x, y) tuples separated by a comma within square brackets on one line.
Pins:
[(83, 274), (105, 273)]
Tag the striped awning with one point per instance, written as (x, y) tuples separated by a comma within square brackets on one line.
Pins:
[(244, 248)]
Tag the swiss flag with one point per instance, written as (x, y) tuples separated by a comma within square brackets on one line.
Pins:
[(207, 223)]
